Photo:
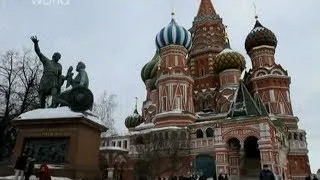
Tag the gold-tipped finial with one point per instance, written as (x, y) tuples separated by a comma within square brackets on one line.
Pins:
[(255, 11), (226, 34), (226, 38), (172, 8)]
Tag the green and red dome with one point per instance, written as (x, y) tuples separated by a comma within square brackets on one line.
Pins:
[(260, 36), (149, 71), (133, 120)]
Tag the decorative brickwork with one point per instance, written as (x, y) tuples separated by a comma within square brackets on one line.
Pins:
[(231, 125)]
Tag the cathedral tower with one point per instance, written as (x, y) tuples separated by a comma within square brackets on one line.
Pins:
[(174, 83), (267, 79), (208, 37)]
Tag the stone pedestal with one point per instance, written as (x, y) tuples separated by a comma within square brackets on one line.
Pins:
[(73, 139)]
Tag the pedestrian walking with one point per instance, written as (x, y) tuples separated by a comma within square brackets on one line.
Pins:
[(44, 173), (220, 177), (20, 166), (29, 168)]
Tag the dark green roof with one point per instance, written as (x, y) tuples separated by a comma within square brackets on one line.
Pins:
[(244, 105)]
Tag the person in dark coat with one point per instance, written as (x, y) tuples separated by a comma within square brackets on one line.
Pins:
[(220, 177), (20, 166), (266, 174), (29, 168), (226, 177)]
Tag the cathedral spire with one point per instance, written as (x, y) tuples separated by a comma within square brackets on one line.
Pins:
[(255, 11), (227, 40), (136, 105), (206, 9)]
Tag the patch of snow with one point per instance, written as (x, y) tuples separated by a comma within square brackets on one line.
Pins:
[(58, 113), (168, 128), (145, 131), (50, 166), (227, 96), (257, 29), (227, 50), (144, 126), (35, 178), (171, 112), (113, 148)]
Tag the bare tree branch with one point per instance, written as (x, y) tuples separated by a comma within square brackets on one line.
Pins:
[(157, 148), (104, 108), (19, 79)]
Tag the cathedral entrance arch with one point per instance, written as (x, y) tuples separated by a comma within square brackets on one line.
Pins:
[(252, 161), (204, 165)]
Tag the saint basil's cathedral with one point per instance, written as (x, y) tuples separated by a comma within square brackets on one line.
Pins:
[(230, 120)]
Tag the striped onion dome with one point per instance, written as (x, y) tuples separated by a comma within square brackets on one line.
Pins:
[(173, 34), (260, 36), (229, 59), (149, 71), (133, 120)]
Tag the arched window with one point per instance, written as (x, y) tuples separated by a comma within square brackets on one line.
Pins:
[(209, 132), (199, 133), (166, 135), (295, 136), (174, 135), (261, 74), (234, 144), (164, 103), (201, 103), (301, 137), (209, 101), (178, 102), (183, 135)]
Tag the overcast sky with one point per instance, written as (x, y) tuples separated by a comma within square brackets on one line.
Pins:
[(115, 38)]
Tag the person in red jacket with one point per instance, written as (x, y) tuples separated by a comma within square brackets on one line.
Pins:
[(44, 173)]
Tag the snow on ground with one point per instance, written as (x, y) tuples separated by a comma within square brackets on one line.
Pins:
[(35, 178), (50, 166)]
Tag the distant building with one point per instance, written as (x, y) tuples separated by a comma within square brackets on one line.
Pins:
[(195, 92)]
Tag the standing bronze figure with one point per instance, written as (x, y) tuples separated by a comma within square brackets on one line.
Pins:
[(51, 80)]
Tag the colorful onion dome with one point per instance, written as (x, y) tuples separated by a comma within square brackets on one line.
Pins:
[(149, 71), (173, 34), (260, 36), (229, 59), (133, 120)]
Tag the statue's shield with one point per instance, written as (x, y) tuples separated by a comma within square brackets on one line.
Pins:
[(81, 99)]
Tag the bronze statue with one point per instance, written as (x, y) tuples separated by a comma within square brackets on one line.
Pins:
[(52, 79), (81, 79), (79, 97)]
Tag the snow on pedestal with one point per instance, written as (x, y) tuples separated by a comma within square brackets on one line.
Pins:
[(35, 178), (112, 148), (58, 113)]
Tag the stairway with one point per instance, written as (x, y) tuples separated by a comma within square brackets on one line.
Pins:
[(252, 168)]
